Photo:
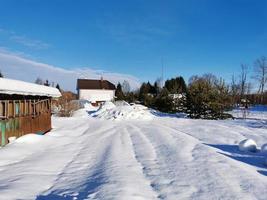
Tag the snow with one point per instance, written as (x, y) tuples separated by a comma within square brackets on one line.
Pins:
[(122, 111), (121, 103), (264, 149), (254, 112), (248, 145), (165, 157), (9, 86)]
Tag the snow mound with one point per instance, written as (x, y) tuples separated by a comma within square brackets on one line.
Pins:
[(29, 138), (90, 107), (121, 103), (83, 112), (123, 112), (80, 113), (248, 145), (107, 106), (264, 149)]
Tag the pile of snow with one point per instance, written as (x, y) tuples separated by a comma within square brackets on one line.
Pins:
[(107, 106), (29, 138), (109, 111), (248, 145), (85, 106), (12, 139), (264, 149), (121, 103)]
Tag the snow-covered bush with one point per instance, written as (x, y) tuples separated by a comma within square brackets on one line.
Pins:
[(264, 149), (248, 145)]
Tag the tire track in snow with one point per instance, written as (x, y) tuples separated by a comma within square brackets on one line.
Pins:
[(123, 173), (80, 162), (108, 165), (230, 184), (161, 172)]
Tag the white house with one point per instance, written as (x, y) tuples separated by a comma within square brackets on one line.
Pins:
[(95, 91)]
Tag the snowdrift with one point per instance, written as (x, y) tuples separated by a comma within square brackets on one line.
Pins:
[(264, 149), (110, 111), (255, 112), (248, 145)]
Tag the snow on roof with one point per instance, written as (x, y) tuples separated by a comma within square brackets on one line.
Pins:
[(9, 86)]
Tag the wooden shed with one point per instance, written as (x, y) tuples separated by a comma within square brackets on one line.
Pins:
[(24, 108)]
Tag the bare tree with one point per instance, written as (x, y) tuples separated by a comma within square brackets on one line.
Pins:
[(249, 88), (260, 74), (243, 80), (234, 89), (159, 82), (125, 87)]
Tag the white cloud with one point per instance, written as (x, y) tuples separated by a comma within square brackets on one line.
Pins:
[(36, 44), (17, 67), (23, 40)]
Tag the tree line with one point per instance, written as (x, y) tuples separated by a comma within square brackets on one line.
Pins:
[(40, 81), (205, 96)]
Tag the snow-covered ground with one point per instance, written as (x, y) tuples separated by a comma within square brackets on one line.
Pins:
[(255, 112), (95, 156)]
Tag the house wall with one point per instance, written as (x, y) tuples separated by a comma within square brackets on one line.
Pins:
[(22, 116), (96, 95)]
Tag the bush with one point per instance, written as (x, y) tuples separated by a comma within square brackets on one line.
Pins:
[(65, 105), (208, 98)]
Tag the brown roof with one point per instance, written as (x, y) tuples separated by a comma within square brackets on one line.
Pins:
[(95, 84)]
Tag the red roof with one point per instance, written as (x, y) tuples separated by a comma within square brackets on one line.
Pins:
[(95, 84)]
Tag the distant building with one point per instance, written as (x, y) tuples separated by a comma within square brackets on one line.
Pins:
[(95, 91), (24, 108)]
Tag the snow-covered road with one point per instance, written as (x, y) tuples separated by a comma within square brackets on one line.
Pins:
[(163, 158)]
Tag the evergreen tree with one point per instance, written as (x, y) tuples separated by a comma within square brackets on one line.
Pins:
[(47, 83), (163, 102), (130, 97), (119, 93), (207, 97), (176, 85), (58, 87), (143, 91), (156, 88), (146, 94)]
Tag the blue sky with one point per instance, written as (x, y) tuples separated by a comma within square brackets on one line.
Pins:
[(131, 37)]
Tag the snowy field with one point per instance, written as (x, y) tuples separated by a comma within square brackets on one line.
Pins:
[(130, 153), (255, 112)]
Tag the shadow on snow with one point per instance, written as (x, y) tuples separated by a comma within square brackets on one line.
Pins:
[(90, 186), (255, 159)]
